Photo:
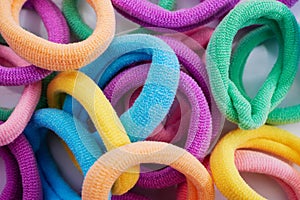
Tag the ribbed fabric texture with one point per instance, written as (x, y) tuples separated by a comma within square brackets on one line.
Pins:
[(109, 127), (252, 114), (49, 55), (267, 138), (108, 167)]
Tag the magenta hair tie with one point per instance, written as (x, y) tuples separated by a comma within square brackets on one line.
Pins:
[(199, 134), (58, 32), (148, 14), (26, 174)]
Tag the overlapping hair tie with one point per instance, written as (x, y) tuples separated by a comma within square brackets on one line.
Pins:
[(253, 114)]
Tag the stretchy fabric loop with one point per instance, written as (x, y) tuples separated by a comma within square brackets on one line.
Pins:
[(148, 14), (5, 112), (58, 32), (101, 112), (20, 116), (252, 114), (160, 87), (13, 187), (80, 28), (199, 134), (108, 167), (49, 55), (267, 138), (248, 43)]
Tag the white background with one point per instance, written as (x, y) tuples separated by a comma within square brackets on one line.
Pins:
[(258, 65)]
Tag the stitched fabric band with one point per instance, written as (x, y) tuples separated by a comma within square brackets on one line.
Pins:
[(21, 114), (5, 112), (110, 166), (27, 174), (49, 55), (199, 134), (248, 43), (236, 108), (160, 87), (58, 32), (12, 188), (101, 112), (80, 28), (267, 138), (150, 15)]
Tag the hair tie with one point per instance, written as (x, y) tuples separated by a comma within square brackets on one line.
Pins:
[(160, 87), (53, 56), (109, 127), (267, 138), (27, 171), (236, 108), (20, 116), (199, 134), (278, 115), (97, 185)]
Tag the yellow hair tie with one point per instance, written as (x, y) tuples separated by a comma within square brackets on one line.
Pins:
[(108, 167), (104, 117), (50, 55), (267, 138)]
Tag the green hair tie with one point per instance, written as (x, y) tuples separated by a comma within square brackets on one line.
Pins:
[(231, 97), (81, 30)]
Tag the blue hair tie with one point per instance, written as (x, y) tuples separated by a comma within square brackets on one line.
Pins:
[(78, 139), (159, 90)]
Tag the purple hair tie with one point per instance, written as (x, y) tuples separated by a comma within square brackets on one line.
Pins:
[(58, 32), (148, 14), (23, 182), (199, 135)]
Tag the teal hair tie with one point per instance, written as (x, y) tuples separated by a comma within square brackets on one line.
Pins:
[(230, 98), (245, 46)]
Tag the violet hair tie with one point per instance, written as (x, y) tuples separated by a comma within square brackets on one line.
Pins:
[(58, 32), (199, 135), (148, 14), (28, 170)]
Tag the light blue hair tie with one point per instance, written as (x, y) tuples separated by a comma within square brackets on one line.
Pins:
[(159, 90), (78, 139)]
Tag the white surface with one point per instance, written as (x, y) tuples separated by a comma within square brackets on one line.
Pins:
[(258, 65)]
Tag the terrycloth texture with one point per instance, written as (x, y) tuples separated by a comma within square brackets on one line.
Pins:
[(148, 14), (199, 134), (268, 139), (110, 166), (159, 89), (80, 29), (105, 119), (17, 121), (6, 112), (253, 114), (58, 32), (82, 145), (285, 115), (255, 162), (13, 186), (51, 56)]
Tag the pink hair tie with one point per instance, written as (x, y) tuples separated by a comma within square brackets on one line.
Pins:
[(199, 134)]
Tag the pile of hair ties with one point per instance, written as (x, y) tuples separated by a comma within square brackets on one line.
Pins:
[(144, 112)]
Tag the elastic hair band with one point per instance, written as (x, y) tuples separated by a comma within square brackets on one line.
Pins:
[(51, 56), (252, 114), (267, 138), (285, 115), (199, 134), (58, 32), (101, 112), (20, 116), (111, 165), (27, 172), (160, 87)]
